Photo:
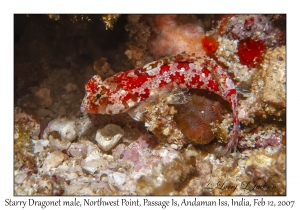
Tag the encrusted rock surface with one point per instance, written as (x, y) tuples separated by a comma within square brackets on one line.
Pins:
[(227, 54), (268, 92)]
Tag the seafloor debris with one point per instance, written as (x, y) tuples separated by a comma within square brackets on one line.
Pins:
[(60, 151)]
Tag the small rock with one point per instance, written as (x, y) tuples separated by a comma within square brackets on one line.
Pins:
[(94, 166), (77, 150), (53, 160), (68, 132), (94, 162), (20, 177), (56, 144), (119, 178), (109, 136), (66, 128)]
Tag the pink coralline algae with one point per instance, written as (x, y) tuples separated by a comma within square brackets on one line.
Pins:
[(272, 141), (134, 153), (123, 91)]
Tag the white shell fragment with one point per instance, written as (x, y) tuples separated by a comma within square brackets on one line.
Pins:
[(119, 178), (94, 166), (94, 162), (39, 145), (109, 136), (66, 128), (20, 177), (53, 160)]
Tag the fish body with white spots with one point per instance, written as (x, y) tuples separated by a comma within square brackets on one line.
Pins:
[(125, 90)]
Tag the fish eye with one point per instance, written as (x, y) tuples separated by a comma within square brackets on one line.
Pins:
[(98, 95)]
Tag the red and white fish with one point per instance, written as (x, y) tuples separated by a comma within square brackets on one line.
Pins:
[(125, 90)]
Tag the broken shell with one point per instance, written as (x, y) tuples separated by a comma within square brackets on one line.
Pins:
[(109, 136), (66, 128)]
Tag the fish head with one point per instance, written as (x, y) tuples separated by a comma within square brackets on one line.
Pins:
[(96, 97)]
